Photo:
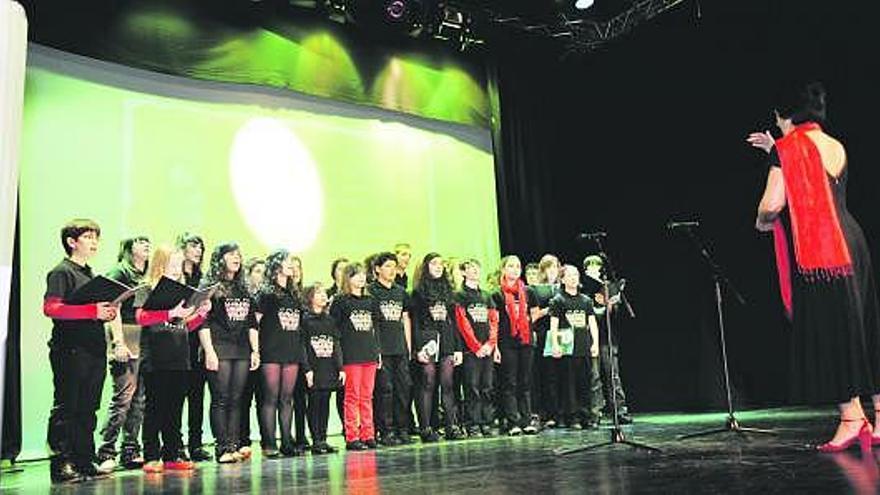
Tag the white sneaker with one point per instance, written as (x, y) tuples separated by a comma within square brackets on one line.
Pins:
[(226, 458), (107, 466)]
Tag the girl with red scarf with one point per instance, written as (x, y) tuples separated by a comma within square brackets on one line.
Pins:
[(515, 343), (824, 266)]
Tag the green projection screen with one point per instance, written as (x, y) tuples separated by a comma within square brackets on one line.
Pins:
[(148, 154)]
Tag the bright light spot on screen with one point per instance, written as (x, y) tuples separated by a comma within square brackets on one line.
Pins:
[(276, 184)]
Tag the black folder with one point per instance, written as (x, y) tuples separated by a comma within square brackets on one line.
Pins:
[(168, 293), (102, 289)]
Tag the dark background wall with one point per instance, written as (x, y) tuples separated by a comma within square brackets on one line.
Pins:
[(651, 129)]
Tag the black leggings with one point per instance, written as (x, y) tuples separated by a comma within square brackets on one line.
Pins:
[(429, 387), (279, 381), (227, 386)]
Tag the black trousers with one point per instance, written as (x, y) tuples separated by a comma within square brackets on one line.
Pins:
[(478, 377), (227, 387), (78, 377), (575, 374), (391, 395), (319, 414), (165, 392), (516, 384), (553, 386), (301, 408), (612, 386), (195, 400)]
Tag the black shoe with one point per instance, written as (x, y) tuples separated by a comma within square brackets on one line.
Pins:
[(318, 449), (429, 436), (357, 445), (288, 450), (487, 431), (271, 453), (199, 454), (474, 432), (389, 440), (329, 449), (301, 448), (453, 433), (414, 431), (371, 444), (131, 459), (403, 438), (64, 472), (90, 471)]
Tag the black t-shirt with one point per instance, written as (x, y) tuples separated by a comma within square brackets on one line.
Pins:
[(505, 339), (323, 349), (281, 338), (476, 304), (232, 315), (164, 347), (539, 297), (61, 282), (402, 279), (574, 312), (356, 318), (126, 309), (434, 319), (393, 302)]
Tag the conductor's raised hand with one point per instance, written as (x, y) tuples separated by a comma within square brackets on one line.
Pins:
[(763, 140)]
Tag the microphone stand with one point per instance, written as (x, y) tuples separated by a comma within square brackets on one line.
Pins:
[(731, 424), (617, 434)]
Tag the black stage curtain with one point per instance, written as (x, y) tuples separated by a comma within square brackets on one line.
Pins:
[(652, 128)]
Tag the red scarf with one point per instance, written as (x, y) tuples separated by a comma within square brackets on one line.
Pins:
[(517, 307), (820, 249)]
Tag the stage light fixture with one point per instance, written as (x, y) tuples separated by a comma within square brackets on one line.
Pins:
[(402, 16), (583, 4)]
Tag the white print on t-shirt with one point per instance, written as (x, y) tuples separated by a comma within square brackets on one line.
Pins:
[(175, 325), (438, 311), (576, 318), (323, 346), (289, 319), (391, 310), (479, 313), (361, 320), (237, 309)]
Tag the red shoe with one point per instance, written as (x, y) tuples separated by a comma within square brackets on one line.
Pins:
[(153, 467), (179, 465), (864, 437)]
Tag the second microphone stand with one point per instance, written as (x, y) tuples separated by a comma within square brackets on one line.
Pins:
[(617, 434), (731, 424)]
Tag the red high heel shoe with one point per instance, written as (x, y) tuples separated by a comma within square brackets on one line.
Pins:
[(865, 437)]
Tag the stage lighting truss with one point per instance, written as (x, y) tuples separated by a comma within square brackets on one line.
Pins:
[(455, 27), (582, 35)]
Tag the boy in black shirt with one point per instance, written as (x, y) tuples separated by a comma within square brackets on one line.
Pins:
[(392, 392), (573, 326), (77, 353)]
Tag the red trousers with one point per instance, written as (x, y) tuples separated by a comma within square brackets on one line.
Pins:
[(359, 381)]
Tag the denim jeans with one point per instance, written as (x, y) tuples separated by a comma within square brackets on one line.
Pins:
[(126, 412)]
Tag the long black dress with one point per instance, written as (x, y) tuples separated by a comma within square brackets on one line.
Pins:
[(835, 352)]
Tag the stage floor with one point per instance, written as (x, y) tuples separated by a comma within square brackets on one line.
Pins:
[(724, 463)]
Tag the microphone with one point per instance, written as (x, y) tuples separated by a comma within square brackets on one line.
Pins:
[(682, 225), (591, 235)]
